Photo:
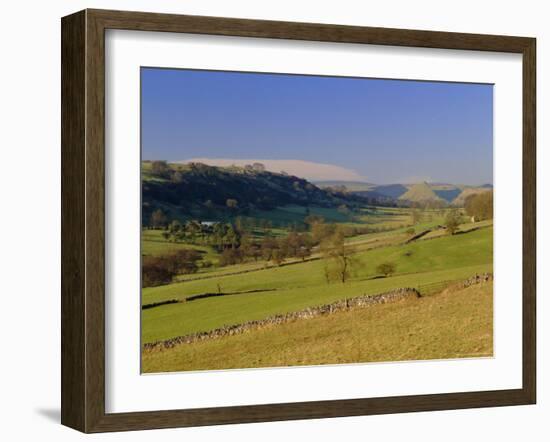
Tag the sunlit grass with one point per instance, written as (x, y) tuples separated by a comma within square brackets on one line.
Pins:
[(453, 324)]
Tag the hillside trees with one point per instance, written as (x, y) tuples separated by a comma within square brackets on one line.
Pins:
[(294, 245), (176, 177), (154, 272), (258, 167), (480, 206), (158, 270), (158, 219), (160, 168), (321, 231), (227, 190), (232, 203)]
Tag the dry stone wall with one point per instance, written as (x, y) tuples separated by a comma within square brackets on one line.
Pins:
[(311, 312)]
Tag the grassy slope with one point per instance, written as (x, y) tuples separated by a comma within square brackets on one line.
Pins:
[(301, 285), (447, 325), (295, 214), (374, 217), (419, 192), (377, 218), (184, 198)]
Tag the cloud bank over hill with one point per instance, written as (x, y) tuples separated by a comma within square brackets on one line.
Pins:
[(304, 169)]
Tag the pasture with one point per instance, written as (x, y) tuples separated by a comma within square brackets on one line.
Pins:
[(292, 287), (450, 324)]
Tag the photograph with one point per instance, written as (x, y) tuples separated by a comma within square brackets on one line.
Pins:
[(304, 220)]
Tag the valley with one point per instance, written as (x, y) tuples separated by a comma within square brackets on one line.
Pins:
[(222, 246)]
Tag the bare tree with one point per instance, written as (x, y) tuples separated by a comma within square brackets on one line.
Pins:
[(338, 257)]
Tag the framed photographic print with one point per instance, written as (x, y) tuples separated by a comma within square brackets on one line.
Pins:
[(269, 220)]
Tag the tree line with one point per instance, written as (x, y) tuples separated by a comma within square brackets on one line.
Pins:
[(480, 206), (158, 270)]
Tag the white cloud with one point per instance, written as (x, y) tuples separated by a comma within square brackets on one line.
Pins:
[(304, 169)]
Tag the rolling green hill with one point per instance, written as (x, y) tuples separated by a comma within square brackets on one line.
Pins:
[(295, 287), (184, 191)]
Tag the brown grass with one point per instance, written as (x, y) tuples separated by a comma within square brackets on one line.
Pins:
[(451, 324)]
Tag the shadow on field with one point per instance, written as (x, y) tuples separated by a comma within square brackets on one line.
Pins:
[(212, 295)]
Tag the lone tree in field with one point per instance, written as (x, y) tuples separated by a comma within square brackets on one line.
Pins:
[(386, 268), (338, 258), (452, 221)]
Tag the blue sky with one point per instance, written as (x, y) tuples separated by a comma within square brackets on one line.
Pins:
[(384, 131)]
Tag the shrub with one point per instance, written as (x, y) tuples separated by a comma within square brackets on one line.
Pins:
[(160, 168), (162, 269), (155, 272), (480, 206), (230, 256), (452, 221), (386, 268)]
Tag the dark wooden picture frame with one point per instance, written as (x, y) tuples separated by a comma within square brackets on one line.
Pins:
[(83, 220)]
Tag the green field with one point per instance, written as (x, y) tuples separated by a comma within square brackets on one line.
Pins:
[(441, 324), (152, 243), (451, 324), (293, 287)]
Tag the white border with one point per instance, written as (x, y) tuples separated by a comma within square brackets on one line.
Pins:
[(127, 390)]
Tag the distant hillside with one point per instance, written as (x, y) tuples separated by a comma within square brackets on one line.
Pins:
[(391, 190), (448, 192), (182, 190), (351, 186), (419, 193), (308, 170), (381, 194), (460, 199)]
